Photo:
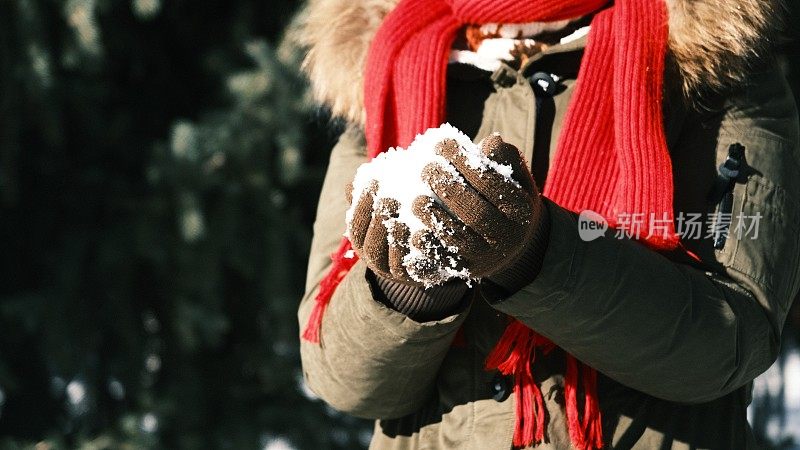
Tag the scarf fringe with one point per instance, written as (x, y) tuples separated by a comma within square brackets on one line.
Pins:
[(514, 355), (588, 433), (343, 260)]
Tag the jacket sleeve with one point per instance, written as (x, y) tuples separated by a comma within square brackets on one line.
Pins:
[(669, 329), (372, 361)]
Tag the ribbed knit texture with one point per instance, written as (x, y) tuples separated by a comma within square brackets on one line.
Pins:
[(611, 156), (529, 263), (420, 304), (613, 138)]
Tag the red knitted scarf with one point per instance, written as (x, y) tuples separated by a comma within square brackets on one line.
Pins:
[(611, 157)]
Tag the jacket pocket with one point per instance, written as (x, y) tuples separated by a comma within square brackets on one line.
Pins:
[(763, 240)]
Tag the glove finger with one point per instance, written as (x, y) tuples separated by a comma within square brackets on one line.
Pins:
[(435, 257), (362, 216), (454, 233), (398, 249), (494, 148), (376, 242), (510, 199), (466, 204)]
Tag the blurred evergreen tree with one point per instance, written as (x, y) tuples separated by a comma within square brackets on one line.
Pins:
[(159, 168)]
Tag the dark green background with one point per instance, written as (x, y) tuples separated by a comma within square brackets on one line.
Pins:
[(159, 168)]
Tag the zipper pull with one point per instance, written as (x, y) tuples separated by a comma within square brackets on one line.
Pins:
[(722, 193)]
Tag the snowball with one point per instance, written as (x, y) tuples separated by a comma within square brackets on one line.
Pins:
[(398, 172)]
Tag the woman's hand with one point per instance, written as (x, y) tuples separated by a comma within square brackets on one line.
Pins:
[(478, 225), (487, 220), (381, 247)]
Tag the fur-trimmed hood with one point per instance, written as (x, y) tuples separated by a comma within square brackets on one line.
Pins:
[(713, 43)]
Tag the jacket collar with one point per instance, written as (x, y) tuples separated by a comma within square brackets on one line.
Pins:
[(713, 45)]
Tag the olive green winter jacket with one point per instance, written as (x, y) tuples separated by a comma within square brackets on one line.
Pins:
[(676, 342)]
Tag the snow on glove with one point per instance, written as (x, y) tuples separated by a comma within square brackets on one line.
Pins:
[(377, 237), (488, 219), (381, 224), (444, 208)]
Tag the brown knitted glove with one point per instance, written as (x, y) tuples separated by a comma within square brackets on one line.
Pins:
[(370, 238), (489, 220), (391, 283)]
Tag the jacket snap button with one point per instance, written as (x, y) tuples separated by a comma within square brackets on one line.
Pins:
[(543, 84), (500, 388)]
